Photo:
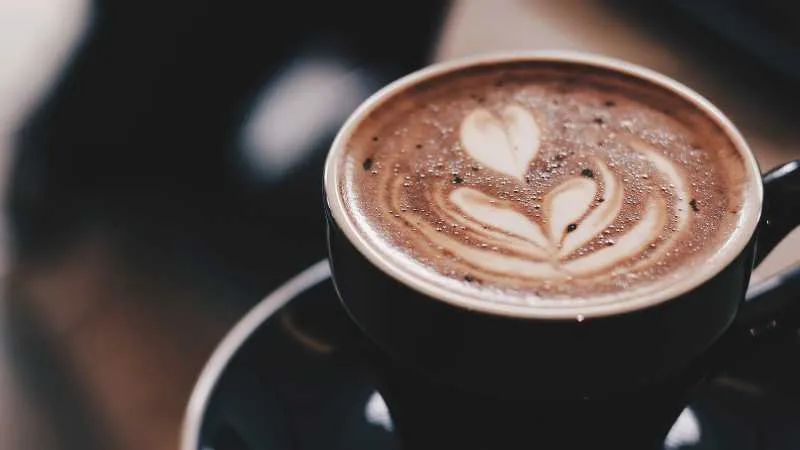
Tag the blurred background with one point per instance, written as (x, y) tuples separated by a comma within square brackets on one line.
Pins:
[(160, 166)]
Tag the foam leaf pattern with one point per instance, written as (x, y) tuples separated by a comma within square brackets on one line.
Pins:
[(567, 203), (480, 208), (627, 246), (573, 214), (506, 142), (600, 217)]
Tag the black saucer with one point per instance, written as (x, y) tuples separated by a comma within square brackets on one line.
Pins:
[(287, 377)]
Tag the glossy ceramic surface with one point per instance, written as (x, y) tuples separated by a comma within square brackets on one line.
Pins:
[(289, 376)]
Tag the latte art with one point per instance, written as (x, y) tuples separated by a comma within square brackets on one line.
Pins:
[(540, 188), (573, 213), (572, 210), (505, 142)]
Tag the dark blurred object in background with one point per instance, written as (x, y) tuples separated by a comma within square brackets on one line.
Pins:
[(168, 180), (158, 128), (767, 29)]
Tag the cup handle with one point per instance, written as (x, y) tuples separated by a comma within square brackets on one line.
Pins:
[(773, 305)]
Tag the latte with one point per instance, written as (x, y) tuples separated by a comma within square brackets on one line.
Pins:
[(537, 182)]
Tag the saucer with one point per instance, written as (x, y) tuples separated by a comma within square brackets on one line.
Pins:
[(287, 376)]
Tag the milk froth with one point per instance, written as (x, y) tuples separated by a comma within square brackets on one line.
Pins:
[(542, 182)]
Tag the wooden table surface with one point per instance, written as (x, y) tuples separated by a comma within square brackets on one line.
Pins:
[(89, 359)]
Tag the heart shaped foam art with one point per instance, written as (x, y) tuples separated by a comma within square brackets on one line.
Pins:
[(507, 142)]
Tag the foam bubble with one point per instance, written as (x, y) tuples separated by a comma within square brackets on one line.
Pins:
[(542, 189)]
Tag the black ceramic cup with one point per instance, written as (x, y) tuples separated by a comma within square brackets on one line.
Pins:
[(588, 367)]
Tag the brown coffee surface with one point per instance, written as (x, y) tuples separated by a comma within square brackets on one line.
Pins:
[(543, 181)]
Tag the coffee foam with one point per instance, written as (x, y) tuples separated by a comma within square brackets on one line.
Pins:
[(536, 183)]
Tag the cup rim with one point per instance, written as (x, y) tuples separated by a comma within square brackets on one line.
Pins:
[(733, 247)]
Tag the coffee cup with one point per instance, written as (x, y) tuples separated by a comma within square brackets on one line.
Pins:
[(528, 327)]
